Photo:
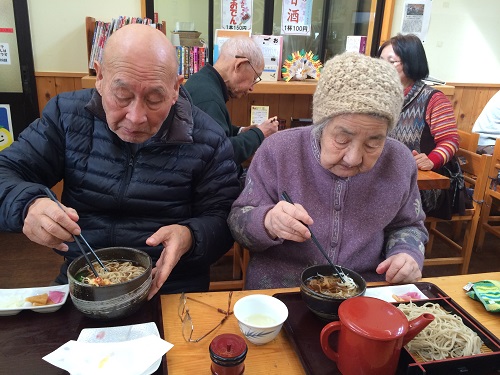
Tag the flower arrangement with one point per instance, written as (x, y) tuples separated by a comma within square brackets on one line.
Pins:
[(301, 65)]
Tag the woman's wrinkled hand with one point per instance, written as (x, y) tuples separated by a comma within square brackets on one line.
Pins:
[(286, 221), (400, 269)]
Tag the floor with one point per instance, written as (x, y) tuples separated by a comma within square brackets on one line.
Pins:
[(24, 264)]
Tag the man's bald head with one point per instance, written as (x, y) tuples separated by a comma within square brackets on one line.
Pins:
[(138, 81), (143, 41)]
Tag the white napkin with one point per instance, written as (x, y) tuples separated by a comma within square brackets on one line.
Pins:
[(131, 357)]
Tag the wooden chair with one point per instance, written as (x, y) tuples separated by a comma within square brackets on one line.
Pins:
[(491, 200), (240, 258), (468, 141), (475, 169)]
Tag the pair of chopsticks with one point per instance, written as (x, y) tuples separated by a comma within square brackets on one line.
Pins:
[(77, 240), (337, 269)]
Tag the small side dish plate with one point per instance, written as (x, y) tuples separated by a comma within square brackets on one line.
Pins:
[(387, 293), (121, 334), (12, 301)]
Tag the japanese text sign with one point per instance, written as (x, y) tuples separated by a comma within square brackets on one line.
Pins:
[(296, 17), (236, 14)]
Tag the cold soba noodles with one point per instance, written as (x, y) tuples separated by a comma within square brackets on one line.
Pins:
[(333, 286), (119, 271)]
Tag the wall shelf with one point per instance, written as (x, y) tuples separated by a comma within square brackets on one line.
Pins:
[(279, 87)]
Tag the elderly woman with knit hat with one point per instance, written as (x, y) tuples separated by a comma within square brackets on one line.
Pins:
[(354, 187)]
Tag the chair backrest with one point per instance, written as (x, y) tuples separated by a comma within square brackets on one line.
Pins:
[(493, 183), (494, 173), (468, 141), (474, 168), (491, 199)]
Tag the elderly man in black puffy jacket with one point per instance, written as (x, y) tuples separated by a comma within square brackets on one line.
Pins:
[(142, 167)]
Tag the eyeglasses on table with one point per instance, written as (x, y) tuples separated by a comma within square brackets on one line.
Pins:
[(187, 322)]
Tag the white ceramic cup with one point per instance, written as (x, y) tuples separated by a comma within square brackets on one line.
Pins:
[(260, 317)]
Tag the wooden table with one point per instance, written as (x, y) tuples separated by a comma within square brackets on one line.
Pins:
[(428, 180), (278, 356), (28, 336)]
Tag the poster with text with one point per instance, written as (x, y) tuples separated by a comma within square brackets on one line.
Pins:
[(236, 14), (296, 17), (416, 18), (4, 53), (6, 134)]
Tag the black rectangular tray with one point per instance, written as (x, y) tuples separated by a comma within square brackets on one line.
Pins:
[(303, 329), (28, 336)]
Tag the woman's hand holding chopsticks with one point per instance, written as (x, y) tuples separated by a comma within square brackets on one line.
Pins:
[(286, 221)]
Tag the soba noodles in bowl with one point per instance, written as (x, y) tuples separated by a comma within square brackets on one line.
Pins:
[(323, 292), (114, 294)]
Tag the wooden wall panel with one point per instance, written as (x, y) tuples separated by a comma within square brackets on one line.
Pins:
[(284, 108), (239, 111), (468, 100), (49, 86), (46, 89), (464, 115), (273, 101), (480, 100)]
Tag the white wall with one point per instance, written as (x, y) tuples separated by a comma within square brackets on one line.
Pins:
[(58, 30), (463, 43)]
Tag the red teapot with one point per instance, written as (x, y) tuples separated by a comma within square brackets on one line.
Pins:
[(371, 333)]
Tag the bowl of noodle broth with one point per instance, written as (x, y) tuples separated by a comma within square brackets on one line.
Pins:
[(125, 287), (322, 293)]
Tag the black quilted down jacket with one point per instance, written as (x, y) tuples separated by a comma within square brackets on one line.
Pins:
[(185, 174)]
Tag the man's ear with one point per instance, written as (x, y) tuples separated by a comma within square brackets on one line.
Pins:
[(238, 63), (98, 81), (177, 85)]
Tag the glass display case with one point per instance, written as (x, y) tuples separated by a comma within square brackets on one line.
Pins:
[(331, 22)]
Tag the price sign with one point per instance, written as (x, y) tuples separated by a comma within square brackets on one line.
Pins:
[(296, 17)]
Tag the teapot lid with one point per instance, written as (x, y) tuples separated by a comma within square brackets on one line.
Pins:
[(373, 318), (228, 346)]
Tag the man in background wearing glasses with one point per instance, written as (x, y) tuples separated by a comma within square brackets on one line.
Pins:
[(233, 75)]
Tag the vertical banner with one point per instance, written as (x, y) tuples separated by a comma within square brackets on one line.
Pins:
[(296, 17), (6, 134), (236, 14)]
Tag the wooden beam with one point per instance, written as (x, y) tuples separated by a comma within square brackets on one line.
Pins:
[(385, 32)]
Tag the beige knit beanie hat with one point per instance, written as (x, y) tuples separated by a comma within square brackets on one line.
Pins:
[(352, 83)]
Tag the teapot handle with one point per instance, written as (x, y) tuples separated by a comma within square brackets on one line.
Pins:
[(324, 336)]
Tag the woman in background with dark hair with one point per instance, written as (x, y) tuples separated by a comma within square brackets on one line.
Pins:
[(427, 123)]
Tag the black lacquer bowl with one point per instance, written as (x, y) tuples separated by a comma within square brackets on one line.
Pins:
[(324, 306), (111, 301)]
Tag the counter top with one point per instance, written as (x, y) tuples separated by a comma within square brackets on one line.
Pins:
[(279, 87)]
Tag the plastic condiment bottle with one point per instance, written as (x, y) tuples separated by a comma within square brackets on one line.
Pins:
[(228, 352)]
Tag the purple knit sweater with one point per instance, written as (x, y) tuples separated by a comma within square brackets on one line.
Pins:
[(359, 221)]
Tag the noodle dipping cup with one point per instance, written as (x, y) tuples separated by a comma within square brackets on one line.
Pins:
[(324, 306), (260, 317), (116, 300)]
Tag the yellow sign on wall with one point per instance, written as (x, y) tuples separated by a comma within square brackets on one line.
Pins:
[(6, 134)]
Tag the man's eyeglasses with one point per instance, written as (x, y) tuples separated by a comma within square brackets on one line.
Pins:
[(187, 322), (257, 76)]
